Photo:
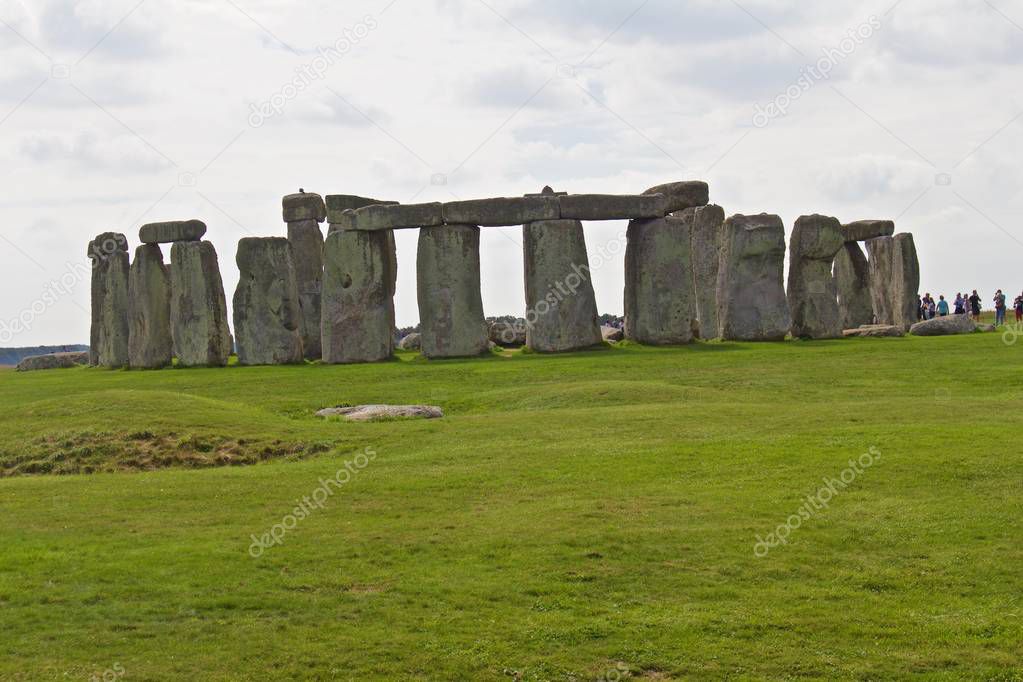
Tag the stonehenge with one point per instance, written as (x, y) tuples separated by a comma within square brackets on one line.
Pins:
[(751, 293), (149, 303), (561, 308), (267, 310), (198, 306), (690, 274), (448, 284), (660, 298), (358, 304), (813, 299), (108, 337), (707, 225), (303, 213)]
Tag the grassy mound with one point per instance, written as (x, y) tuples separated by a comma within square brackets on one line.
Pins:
[(592, 516)]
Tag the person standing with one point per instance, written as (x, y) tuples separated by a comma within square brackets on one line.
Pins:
[(942, 306), (1018, 306), (959, 307), (999, 308), (975, 306)]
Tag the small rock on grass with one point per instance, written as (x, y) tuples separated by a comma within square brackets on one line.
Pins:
[(365, 413)]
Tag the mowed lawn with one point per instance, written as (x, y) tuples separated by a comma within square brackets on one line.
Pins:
[(587, 516)]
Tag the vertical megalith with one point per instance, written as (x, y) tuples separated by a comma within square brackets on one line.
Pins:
[(303, 212), (561, 313), (358, 304), (198, 306), (812, 295), (267, 309), (451, 317), (852, 283), (108, 337), (894, 279), (708, 222), (149, 294), (751, 291), (881, 264), (660, 300)]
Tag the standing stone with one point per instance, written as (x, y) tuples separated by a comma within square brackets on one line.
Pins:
[(307, 248), (708, 222), (267, 311), (108, 337), (149, 299), (751, 292), (812, 295), (358, 304), (852, 281), (894, 279), (198, 306), (660, 299), (450, 304), (561, 310)]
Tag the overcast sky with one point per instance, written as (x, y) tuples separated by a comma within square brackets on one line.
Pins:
[(115, 113)]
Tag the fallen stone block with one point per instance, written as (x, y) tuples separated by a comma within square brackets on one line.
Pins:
[(267, 312), (339, 203), (862, 230), (508, 334), (365, 413), (612, 334), (394, 217), (660, 299), (413, 341), (874, 330), (173, 231), (448, 288), (944, 326), (53, 361), (813, 301), (149, 301), (304, 206), (501, 212), (612, 206), (682, 195), (752, 305)]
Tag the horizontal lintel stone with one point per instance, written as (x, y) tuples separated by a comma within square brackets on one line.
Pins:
[(339, 203), (682, 195), (303, 206), (862, 230), (394, 217), (612, 206), (501, 212), (173, 231)]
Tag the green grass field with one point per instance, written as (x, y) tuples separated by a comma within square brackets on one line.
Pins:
[(592, 516)]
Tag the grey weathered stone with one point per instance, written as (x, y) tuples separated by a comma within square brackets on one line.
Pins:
[(149, 295), (613, 334), (751, 295), (894, 279), (267, 312), (391, 248), (53, 361), (508, 334), (304, 206), (392, 217), (173, 231), (862, 230), (198, 306), (852, 283), (612, 206), (986, 327), (413, 341), (448, 283), (561, 310), (682, 195), (874, 330), (339, 203), (502, 212), (365, 413), (307, 252), (944, 326), (358, 305), (660, 301), (812, 295), (108, 344), (708, 223)]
